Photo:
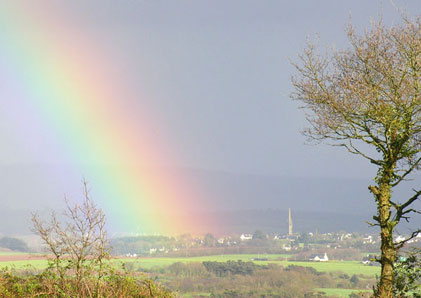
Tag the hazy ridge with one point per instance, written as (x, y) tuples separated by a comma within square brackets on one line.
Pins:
[(241, 202)]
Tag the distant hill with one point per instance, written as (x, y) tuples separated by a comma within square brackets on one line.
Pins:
[(241, 202), (276, 221), (246, 191)]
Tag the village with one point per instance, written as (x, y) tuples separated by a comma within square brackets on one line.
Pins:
[(299, 246)]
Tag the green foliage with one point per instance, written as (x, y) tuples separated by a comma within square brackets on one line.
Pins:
[(408, 276), (231, 267), (304, 238), (209, 240), (188, 270), (140, 244), (354, 279), (237, 279), (245, 279), (48, 284), (259, 235)]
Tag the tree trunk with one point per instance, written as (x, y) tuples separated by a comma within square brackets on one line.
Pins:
[(388, 251), (387, 260)]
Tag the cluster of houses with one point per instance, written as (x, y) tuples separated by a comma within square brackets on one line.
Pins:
[(290, 242)]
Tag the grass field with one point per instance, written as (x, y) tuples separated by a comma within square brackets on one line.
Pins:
[(348, 267), (11, 253), (339, 292), (37, 264), (15, 253)]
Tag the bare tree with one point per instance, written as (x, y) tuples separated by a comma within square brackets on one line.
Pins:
[(79, 243), (368, 97)]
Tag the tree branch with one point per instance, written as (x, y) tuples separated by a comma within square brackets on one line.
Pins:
[(402, 177), (400, 244)]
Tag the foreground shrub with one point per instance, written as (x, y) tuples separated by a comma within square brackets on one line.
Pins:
[(79, 265), (48, 284)]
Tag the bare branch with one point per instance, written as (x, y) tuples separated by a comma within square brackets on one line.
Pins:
[(407, 172), (400, 244)]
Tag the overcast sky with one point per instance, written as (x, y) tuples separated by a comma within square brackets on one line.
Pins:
[(217, 78)]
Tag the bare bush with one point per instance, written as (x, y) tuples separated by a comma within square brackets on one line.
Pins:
[(78, 245)]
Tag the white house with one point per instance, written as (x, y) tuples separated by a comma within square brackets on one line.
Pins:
[(318, 259), (287, 247), (368, 239), (246, 237)]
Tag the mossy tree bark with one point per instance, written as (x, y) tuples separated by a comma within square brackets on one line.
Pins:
[(382, 194), (388, 251)]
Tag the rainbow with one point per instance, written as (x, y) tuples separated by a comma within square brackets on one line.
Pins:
[(74, 87)]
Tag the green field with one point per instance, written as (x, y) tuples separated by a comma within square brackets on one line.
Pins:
[(11, 253), (37, 264), (148, 263), (339, 292), (14, 253), (348, 267)]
